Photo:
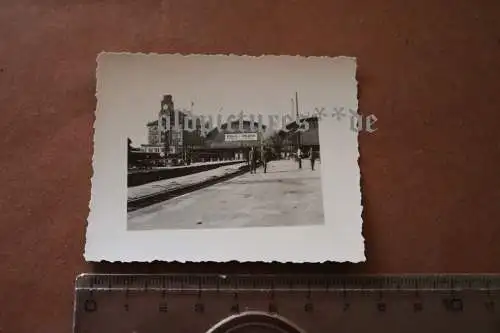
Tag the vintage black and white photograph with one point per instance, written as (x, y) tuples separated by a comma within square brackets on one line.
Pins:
[(225, 157), (189, 170)]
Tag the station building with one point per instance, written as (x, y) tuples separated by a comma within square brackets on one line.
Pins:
[(231, 141), (292, 139)]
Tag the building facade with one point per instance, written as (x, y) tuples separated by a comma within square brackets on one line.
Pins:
[(168, 134), (153, 133), (217, 145), (292, 139)]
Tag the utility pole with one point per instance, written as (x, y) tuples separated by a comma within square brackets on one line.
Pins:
[(298, 131), (298, 117)]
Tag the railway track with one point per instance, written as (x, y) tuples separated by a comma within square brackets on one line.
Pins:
[(148, 200)]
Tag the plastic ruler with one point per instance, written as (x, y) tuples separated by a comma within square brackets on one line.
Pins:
[(291, 303)]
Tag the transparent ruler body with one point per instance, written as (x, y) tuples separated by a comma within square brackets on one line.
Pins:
[(294, 303)]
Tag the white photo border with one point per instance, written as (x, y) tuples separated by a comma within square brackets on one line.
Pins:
[(338, 240)]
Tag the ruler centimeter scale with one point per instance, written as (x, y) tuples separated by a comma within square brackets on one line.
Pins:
[(286, 304)]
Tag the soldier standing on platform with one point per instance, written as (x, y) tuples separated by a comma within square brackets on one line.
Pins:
[(252, 159), (264, 158), (312, 157), (299, 157)]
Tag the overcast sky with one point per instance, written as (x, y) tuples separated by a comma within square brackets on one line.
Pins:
[(219, 85)]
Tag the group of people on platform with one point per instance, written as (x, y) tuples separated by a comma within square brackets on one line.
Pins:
[(265, 155), (312, 155), (253, 158)]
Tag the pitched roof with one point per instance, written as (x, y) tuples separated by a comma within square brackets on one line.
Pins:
[(216, 138), (235, 125), (309, 137)]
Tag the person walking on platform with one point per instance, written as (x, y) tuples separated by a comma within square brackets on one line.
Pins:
[(299, 157), (264, 159), (312, 157), (252, 158)]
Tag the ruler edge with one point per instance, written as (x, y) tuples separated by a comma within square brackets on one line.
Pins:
[(380, 278)]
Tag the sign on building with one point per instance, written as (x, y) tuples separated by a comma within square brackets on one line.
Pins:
[(231, 137)]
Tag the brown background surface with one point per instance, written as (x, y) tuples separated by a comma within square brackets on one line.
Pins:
[(428, 69)]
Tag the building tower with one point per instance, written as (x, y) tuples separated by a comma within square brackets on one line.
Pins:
[(170, 126)]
